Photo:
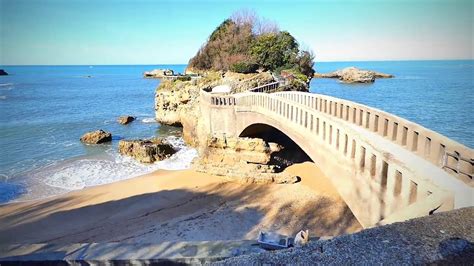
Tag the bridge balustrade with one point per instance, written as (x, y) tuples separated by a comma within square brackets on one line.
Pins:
[(399, 188), (452, 156), (403, 188)]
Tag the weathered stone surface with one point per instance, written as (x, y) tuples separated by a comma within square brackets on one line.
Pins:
[(96, 137), (243, 160), (354, 75), (233, 150), (146, 151), (158, 73), (246, 173), (125, 119), (3, 72)]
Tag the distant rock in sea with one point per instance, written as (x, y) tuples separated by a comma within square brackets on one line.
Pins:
[(3, 72), (158, 73), (96, 137), (125, 119), (354, 75)]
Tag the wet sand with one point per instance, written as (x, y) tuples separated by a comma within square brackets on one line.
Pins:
[(180, 206)]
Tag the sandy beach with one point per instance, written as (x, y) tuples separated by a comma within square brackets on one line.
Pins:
[(180, 206)]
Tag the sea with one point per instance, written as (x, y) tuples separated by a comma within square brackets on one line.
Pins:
[(46, 109)]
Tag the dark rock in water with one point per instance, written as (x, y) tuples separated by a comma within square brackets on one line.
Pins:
[(125, 119), (146, 151), (96, 137), (3, 72)]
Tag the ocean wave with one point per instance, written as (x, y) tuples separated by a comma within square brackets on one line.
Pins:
[(149, 120), (6, 86), (3, 97), (86, 172)]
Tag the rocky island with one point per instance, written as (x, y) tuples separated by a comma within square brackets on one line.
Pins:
[(354, 75), (158, 73), (3, 72), (238, 67)]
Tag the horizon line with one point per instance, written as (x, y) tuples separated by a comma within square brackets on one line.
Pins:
[(184, 64)]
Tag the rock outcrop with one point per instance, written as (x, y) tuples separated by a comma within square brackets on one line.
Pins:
[(125, 119), (3, 72), (177, 101), (354, 75), (158, 73), (146, 151), (96, 137), (243, 160)]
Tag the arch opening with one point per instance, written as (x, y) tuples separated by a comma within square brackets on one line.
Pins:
[(291, 152)]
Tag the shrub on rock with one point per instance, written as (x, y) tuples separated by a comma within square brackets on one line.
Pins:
[(244, 67)]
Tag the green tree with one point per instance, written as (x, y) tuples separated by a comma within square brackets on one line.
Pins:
[(275, 50), (305, 62), (228, 44)]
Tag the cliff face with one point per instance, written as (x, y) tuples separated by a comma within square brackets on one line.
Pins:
[(177, 102)]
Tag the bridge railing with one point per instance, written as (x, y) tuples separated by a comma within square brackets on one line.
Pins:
[(390, 177), (267, 88), (455, 158), (218, 99)]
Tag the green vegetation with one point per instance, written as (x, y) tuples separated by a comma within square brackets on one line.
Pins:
[(244, 67), (184, 78), (245, 43)]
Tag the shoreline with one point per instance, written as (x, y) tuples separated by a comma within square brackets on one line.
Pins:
[(180, 205), (90, 170)]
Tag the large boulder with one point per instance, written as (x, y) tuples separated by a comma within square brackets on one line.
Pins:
[(146, 151), (3, 72), (354, 75), (243, 160), (96, 137), (125, 119), (233, 150)]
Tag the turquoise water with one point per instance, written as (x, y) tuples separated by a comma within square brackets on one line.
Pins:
[(45, 110)]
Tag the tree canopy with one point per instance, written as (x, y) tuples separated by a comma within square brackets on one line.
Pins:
[(245, 43)]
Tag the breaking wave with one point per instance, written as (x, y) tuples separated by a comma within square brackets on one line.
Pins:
[(85, 172)]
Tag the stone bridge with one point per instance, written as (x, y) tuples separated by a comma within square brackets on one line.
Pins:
[(386, 168)]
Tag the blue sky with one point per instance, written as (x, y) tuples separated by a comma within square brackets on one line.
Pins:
[(170, 32)]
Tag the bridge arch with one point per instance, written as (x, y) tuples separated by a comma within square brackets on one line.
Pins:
[(290, 154)]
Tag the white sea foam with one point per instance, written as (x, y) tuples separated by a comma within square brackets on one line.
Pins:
[(149, 120), (6, 86), (86, 172)]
